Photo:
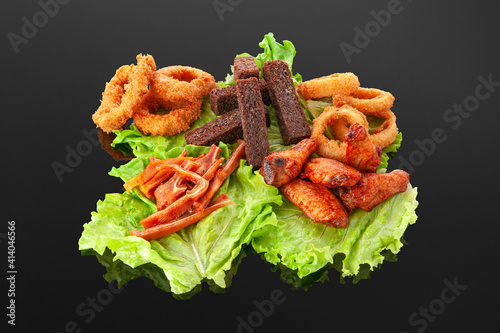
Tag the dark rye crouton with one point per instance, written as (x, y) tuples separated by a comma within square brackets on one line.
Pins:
[(245, 67), (226, 128), (224, 99), (253, 120), (263, 91), (291, 119)]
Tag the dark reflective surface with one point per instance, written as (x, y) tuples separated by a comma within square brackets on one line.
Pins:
[(429, 56), (106, 139)]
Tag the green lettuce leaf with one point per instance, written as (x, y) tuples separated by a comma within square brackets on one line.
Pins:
[(117, 270), (307, 247), (132, 141), (276, 51), (201, 252), (322, 275), (273, 50)]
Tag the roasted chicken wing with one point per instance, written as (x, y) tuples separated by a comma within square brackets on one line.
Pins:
[(330, 173), (372, 189), (361, 153), (317, 202), (280, 167)]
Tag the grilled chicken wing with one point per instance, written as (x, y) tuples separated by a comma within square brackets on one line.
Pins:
[(280, 167), (361, 153), (372, 189), (317, 202), (330, 173)]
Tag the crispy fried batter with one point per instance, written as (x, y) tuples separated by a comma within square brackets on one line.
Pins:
[(326, 86), (178, 89), (370, 101), (180, 83), (386, 133), (124, 94), (180, 116), (330, 148)]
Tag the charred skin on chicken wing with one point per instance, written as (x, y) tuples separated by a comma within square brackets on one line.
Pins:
[(317, 202), (361, 153), (330, 173), (280, 167), (372, 189)]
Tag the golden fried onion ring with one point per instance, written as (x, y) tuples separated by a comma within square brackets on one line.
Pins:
[(330, 148), (178, 83), (124, 94), (182, 113), (383, 135), (327, 86), (386, 133), (370, 101)]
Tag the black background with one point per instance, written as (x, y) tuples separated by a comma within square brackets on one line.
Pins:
[(430, 57)]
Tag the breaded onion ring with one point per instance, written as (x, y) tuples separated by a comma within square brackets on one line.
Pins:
[(330, 148), (326, 86), (382, 136), (386, 133), (370, 101), (177, 83), (181, 115), (124, 94), (340, 126)]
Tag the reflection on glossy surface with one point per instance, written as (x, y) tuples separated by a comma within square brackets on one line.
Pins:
[(106, 139)]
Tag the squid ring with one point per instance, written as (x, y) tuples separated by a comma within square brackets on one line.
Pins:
[(386, 133), (370, 101), (382, 136), (176, 83), (330, 148), (124, 94), (181, 115), (327, 86)]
